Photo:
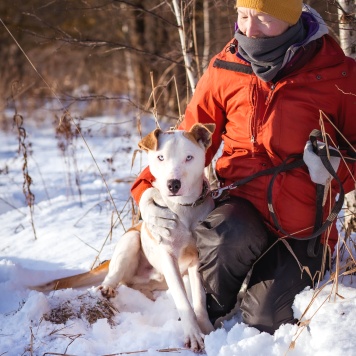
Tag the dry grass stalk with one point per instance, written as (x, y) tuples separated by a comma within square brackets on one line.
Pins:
[(56, 331), (13, 207), (175, 350), (154, 110), (72, 338), (67, 134), (337, 269), (31, 343), (341, 270), (135, 213), (169, 350), (76, 224), (25, 150), (57, 354), (112, 226), (29, 348)]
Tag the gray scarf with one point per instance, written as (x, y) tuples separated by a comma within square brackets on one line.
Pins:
[(266, 54)]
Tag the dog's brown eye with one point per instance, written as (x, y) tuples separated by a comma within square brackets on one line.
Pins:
[(160, 158), (189, 158)]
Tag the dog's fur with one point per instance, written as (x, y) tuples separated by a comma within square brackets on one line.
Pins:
[(143, 263)]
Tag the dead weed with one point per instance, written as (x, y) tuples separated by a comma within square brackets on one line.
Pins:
[(86, 307)]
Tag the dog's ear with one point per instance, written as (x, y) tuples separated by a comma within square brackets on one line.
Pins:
[(150, 141), (202, 133), (210, 127)]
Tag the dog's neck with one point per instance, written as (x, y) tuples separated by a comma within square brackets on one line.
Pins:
[(202, 197)]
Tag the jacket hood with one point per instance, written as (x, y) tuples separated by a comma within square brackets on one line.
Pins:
[(315, 26), (314, 23)]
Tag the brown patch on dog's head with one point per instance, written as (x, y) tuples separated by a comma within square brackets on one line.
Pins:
[(150, 141), (201, 133)]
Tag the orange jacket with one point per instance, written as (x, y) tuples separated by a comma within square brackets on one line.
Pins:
[(262, 123)]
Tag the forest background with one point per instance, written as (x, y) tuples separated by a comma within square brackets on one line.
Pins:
[(100, 56)]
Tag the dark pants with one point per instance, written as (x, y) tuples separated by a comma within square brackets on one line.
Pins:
[(230, 241)]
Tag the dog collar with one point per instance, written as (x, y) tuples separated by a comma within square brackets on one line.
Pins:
[(202, 196), (198, 202)]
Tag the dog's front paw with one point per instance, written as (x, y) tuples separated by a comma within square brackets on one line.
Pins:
[(107, 291), (194, 340)]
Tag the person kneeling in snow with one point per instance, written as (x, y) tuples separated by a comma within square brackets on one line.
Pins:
[(265, 93)]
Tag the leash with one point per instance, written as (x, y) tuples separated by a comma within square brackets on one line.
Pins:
[(319, 225), (216, 193)]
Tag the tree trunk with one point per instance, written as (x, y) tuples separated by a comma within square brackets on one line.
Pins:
[(346, 11), (192, 77), (131, 85), (206, 51)]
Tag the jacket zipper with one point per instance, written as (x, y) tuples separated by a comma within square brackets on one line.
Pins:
[(253, 119)]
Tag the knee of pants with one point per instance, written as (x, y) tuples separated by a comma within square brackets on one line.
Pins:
[(234, 226)]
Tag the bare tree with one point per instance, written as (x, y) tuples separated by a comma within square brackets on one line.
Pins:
[(191, 74), (206, 51), (347, 30)]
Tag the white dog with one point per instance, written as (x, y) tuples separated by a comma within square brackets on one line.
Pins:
[(176, 160)]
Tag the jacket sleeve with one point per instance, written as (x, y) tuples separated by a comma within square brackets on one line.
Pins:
[(142, 182), (202, 108)]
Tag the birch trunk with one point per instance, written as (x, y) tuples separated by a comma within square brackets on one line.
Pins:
[(131, 85), (192, 77), (206, 51), (347, 33)]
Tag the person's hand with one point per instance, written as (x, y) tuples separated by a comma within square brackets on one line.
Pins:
[(318, 173), (159, 220)]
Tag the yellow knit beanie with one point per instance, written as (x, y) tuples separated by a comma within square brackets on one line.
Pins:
[(285, 10)]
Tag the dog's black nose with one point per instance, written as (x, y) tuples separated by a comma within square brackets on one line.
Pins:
[(174, 185)]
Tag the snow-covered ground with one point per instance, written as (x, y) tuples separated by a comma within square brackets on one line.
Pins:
[(72, 229)]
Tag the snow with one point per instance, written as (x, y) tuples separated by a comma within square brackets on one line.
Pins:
[(72, 230)]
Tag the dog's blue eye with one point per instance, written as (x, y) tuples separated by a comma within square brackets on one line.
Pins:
[(189, 158), (160, 158)]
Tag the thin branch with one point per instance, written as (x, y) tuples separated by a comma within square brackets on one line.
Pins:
[(95, 43), (142, 9)]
